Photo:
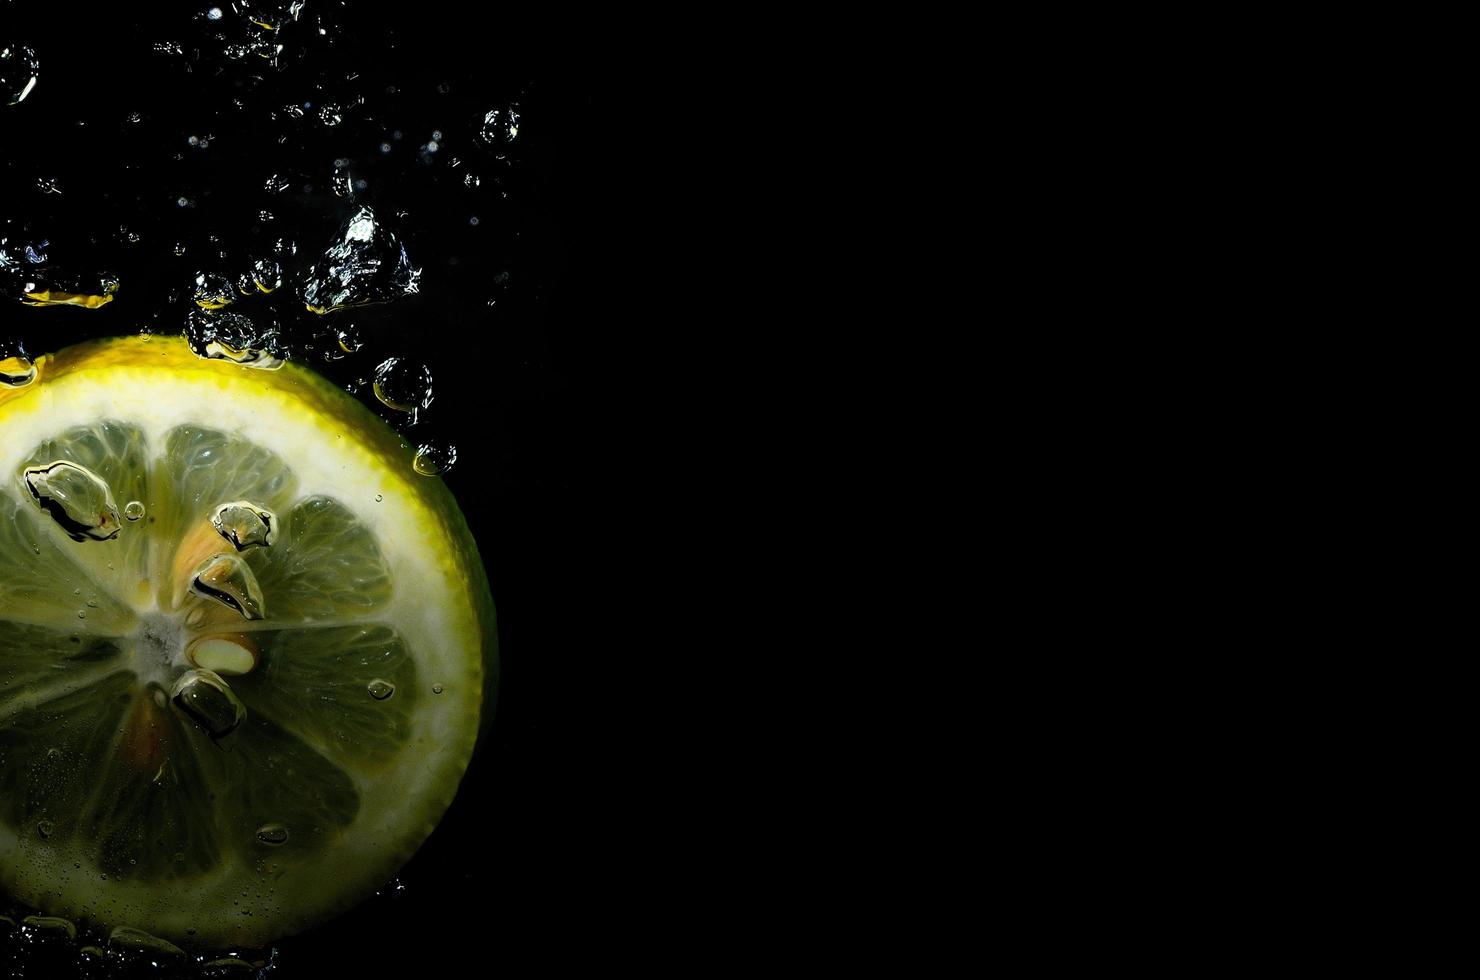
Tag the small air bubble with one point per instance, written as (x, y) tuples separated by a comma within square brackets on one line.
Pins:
[(272, 833), (434, 458), (381, 690), (16, 369), (46, 828), (436, 688), (403, 385)]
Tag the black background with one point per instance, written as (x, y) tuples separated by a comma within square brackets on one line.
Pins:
[(521, 863)]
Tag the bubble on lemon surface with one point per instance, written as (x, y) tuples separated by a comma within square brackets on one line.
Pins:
[(272, 833), (51, 925), (78, 500), (244, 524), (381, 690), (16, 367), (45, 829), (366, 264), (133, 510), (131, 940), (230, 581), (434, 458), (207, 700), (232, 336), (403, 384)]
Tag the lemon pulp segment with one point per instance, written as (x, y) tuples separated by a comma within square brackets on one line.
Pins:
[(240, 710)]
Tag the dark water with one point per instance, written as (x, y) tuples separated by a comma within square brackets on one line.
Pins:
[(148, 151)]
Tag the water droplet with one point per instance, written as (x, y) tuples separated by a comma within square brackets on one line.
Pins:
[(500, 127), (19, 69), (436, 688), (229, 580), (133, 510), (206, 698), (272, 833), (46, 828), (16, 369), (367, 264), (244, 524), (380, 690), (76, 498), (434, 458), (403, 385)]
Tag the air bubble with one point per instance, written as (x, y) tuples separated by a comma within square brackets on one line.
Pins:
[(272, 833), (381, 690), (403, 385), (128, 940), (206, 698), (231, 582), (133, 510), (233, 337), (500, 127), (434, 458), (436, 688), (45, 829), (367, 264), (213, 291), (244, 524), (76, 498), (16, 369), (19, 69), (61, 288)]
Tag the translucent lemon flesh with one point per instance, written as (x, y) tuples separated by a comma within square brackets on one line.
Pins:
[(169, 762)]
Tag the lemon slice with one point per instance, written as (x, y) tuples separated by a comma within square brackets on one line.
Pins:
[(245, 649)]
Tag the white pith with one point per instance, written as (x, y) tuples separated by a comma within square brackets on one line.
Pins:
[(431, 609)]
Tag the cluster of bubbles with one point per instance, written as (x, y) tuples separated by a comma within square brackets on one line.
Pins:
[(233, 308)]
